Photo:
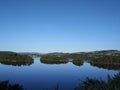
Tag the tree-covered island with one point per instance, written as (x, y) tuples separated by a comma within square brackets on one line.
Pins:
[(11, 58), (103, 58)]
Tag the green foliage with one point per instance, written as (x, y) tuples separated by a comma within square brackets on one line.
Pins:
[(55, 59), (106, 60), (96, 58), (78, 61), (91, 84), (107, 66), (15, 59), (5, 85), (75, 56), (50, 59)]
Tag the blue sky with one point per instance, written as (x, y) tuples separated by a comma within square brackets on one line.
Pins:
[(59, 25)]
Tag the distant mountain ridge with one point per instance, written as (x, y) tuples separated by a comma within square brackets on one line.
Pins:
[(7, 52), (100, 52)]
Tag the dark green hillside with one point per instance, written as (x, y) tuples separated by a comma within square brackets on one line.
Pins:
[(58, 59), (78, 61), (106, 60), (102, 58), (6, 52), (50, 59), (12, 58)]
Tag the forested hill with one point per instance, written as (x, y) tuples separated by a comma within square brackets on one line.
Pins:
[(7, 55), (6, 52), (13, 58)]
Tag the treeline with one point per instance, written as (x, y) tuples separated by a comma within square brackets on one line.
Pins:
[(106, 60), (15, 59), (55, 59), (50, 59)]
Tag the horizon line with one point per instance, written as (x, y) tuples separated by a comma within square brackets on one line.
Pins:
[(60, 51)]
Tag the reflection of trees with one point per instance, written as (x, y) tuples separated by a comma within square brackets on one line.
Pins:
[(54, 62), (91, 84), (5, 85), (17, 63), (107, 62), (107, 66), (52, 59), (78, 62)]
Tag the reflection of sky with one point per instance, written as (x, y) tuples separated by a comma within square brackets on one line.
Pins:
[(39, 76)]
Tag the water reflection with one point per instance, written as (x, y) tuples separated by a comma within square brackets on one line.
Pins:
[(53, 62), (75, 62), (39, 76), (17, 63), (107, 66), (80, 63), (15, 59), (59, 62)]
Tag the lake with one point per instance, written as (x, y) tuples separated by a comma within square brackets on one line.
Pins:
[(40, 76)]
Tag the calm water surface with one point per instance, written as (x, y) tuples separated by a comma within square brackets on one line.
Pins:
[(39, 76)]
